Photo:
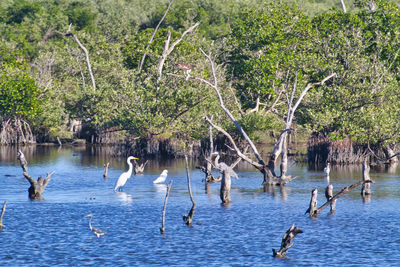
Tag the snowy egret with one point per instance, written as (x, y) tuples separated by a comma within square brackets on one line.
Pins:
[(97, 231), (162, 177), (327, 169), (126, 175)]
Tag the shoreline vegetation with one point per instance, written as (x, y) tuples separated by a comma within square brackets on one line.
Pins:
[(156, 77)]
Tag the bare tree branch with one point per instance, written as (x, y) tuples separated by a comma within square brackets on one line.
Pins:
[(152, 36), (229, 114), (168, 49), (68, 33)]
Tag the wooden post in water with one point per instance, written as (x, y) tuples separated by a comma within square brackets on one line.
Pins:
[(329, 195), (162, 229), (2, 214), (287, 241), (105, 175), (312, 209)]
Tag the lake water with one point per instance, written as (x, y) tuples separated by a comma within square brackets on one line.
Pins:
[(55, 231)]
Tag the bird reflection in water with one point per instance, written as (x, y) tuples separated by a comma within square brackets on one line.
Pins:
[(124, 197)]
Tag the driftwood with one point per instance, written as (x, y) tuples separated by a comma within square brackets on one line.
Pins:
[(314, 212), (105, 175), (268, 170), (287, 241), (139, 169), (162, 229), (189, 218), (2, 214), (37, 186)]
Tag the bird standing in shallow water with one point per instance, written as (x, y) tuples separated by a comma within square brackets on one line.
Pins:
[(124, 176), (97, 231), (327, 169), (161, 178)]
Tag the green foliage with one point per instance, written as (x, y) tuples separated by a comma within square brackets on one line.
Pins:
[(18, 93), (20, 10), (80, 15)]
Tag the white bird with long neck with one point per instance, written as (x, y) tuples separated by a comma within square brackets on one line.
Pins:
[(126, 175), (161, 178), (327, 169)]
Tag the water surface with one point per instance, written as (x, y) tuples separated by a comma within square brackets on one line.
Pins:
[(55, 231)]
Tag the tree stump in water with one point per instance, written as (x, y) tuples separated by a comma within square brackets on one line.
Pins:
[(312, 209), (287, 241), (37, 186), (2, 214), (329, 196), (225, 191), (105, 175), (366, 187)]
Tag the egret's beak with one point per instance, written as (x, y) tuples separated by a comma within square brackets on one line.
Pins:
[(135, 158)]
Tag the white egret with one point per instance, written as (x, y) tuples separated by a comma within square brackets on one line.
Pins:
[(161, 178), (327, 169), (97, 231), (126, 175)]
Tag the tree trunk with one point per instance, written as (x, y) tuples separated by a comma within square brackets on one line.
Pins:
[(312, 209), (366, 187), (225, 191), (329, 195)]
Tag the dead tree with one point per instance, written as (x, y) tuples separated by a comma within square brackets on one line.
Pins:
[(105, 175), (152, 36), (335, 197), (69, 33), (312, 209), (168, 49), (2, 214), (343, 6), (162, 229), (366, 187), (287, 241), (207, 167), (226, 173), (37, 186), (329, 195), (268, 170), (189, 218), (139, 169)]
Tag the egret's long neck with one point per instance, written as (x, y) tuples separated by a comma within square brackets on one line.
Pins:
[(130, 168), (90, 222)]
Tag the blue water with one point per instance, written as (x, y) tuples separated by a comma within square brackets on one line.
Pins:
[(55, 231)]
